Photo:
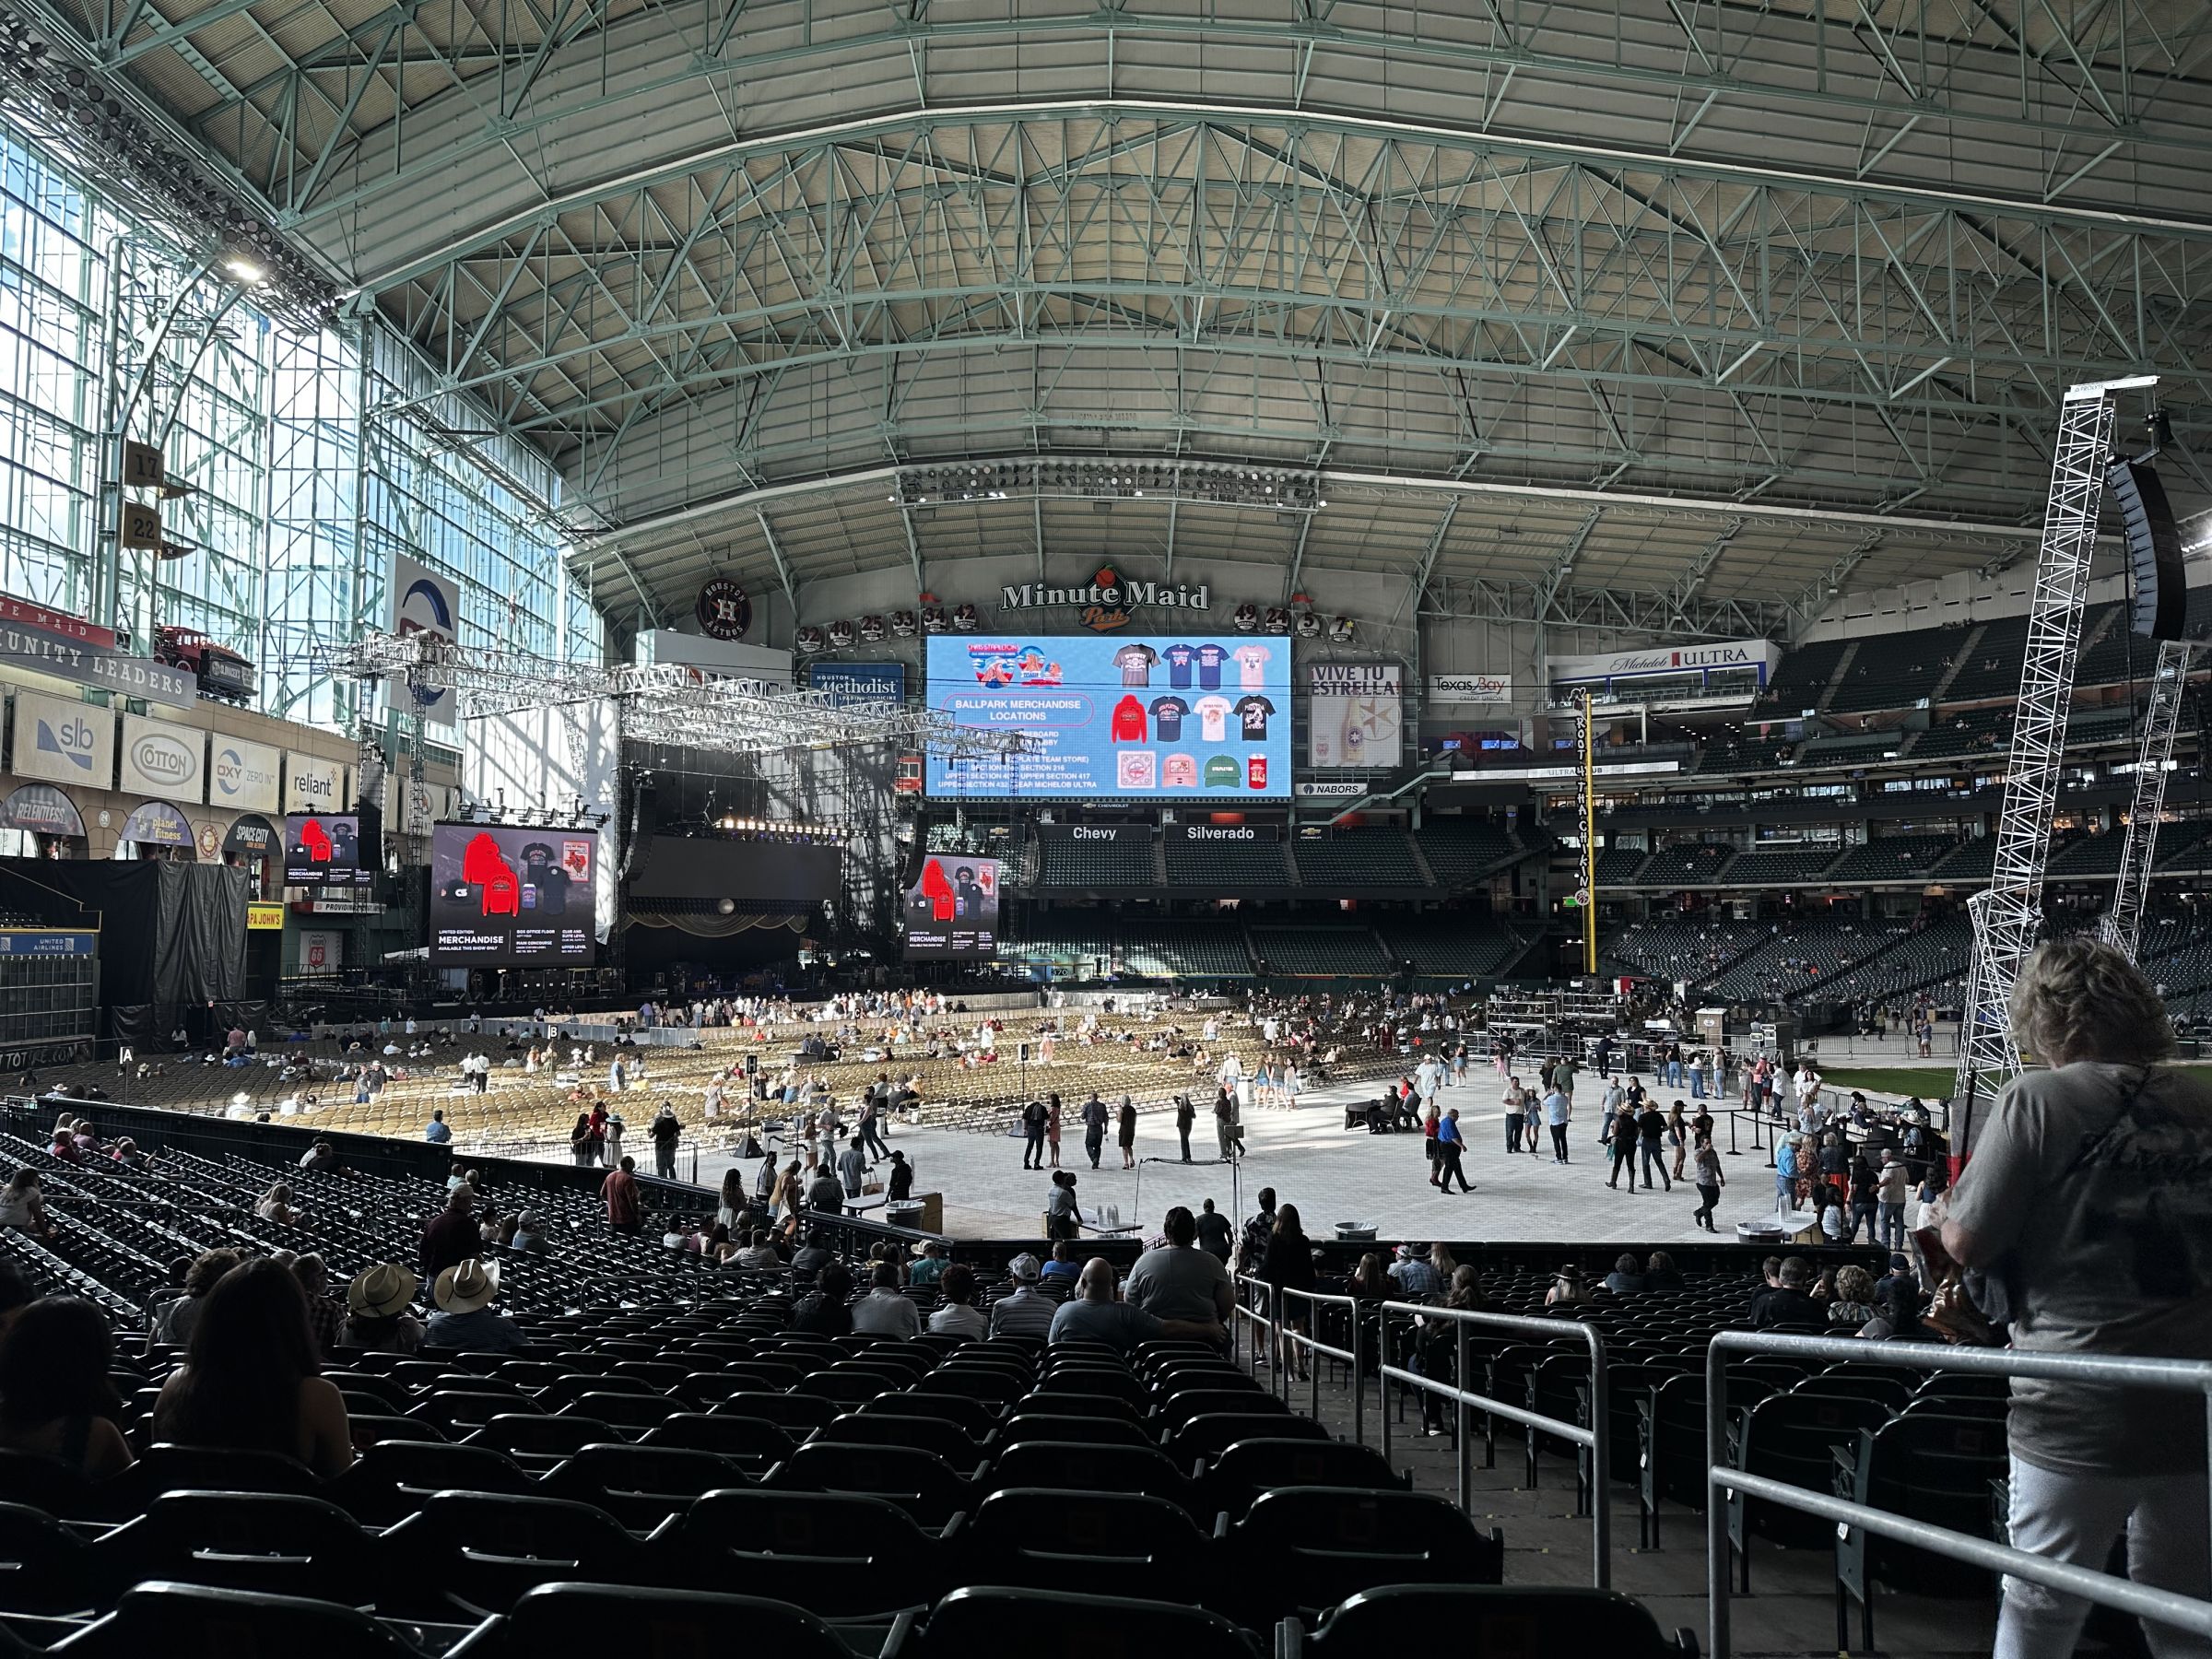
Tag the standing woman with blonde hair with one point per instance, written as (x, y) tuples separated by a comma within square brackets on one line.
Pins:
[(2088, 1206)]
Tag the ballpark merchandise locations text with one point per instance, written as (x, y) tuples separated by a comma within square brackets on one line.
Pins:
[(1152, 716)]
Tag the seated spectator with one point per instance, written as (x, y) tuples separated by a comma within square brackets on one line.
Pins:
[(323, 1315), (886, 1310), (1567, 1288), (758, 1251), (23, 1206), (928, 1266), (465, 1320), (1789, 1304), (126, 1153), (957, 1313), (1094, 1313), (824, 1312), (276, 1204), (1627, 1278), (1415, 1275), (379, 1311), (64, 1147), (1026, 1313), (451, 1236), (1852, 1304), (1368, 1282), (529, 1235), (814, 1255), (250, 1381), (180, 1316), (435, 1131), (1897, 1314), (1661, 1277), (1062, 1265), (1180, 1280), (322, 1156), (55, 1399)]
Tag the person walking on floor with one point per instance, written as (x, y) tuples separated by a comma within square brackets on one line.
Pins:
[(1032, 1130), (1513, 1114), (1185, 1116), (1651, 1130), (1710, 1182), (1126, 1132), (1053, 1112), (1094, 1127), (1559, 1110), (1532, 1114), (1622, 1127), (1450, 1145)]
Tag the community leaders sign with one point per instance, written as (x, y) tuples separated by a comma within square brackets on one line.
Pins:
[(1355, 713), (69, 648)]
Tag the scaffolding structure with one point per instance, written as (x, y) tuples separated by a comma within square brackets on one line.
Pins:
[(662, 703), (2008, 917), (2122, 924)]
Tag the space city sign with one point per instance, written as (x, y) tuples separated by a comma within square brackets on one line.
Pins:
[(1107, 601)]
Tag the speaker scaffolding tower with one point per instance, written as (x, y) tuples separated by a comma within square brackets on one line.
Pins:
[(2122, 924), (2008, 915)]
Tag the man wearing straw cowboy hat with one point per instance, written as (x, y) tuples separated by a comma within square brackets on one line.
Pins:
[(377, 1315), (464, 1294)]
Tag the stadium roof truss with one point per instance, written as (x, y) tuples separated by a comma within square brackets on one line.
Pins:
[(1785, 293)]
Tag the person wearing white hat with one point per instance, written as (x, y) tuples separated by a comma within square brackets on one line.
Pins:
[(465, 1320), (379, 1311), (1028, 1312)]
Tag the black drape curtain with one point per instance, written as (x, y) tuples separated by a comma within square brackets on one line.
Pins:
[(200, 944)]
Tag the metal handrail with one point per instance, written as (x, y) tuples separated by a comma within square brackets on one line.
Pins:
[(1315, 1348), (2163, 1607), (1592, 1439)]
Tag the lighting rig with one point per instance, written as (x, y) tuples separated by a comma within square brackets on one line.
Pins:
[(663, 703), (109, 135), (1102, 478)]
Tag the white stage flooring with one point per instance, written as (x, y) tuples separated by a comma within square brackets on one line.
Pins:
[(1333, 1175)]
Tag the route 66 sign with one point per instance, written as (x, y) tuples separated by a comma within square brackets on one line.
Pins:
[(725, 609)]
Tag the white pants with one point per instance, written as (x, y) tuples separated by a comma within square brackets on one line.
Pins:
[(2075, 1518)]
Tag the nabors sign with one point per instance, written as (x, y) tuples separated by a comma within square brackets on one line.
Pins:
[(1107, 601)]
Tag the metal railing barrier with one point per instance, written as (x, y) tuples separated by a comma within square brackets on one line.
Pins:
[(1280, 1338), (1592, 1439), (2162, 1606)]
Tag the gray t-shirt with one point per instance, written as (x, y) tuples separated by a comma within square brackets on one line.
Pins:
[(1176, 1283), (1117, 1325), (2106, 1208)]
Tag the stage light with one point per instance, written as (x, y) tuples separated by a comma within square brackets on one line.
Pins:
[(246, 270)]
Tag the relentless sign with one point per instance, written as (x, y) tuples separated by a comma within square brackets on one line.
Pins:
[(1470, 689), (163, 760), (1355, 713), (1106, 602)]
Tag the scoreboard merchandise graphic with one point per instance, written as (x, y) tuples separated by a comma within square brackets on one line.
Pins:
[(952, 908), (1161, 716)]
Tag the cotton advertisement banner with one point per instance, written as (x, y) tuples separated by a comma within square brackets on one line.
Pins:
[(1354, 713)]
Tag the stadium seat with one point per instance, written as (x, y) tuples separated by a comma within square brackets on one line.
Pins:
[(190, 1621), (273, 1544), (842, 1555), (45, 1568), (1050, 1624), (1929, 1468), (1044, 1538), (1302, 1548), (1246, 1468), (1487, 1622), (927, 1488), (946, 1441), (478, 1552), (577, 1617), (1792, 1437)]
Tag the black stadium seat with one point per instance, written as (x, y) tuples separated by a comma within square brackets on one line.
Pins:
[(595, 1616), (1042, 1539), (1303, 1548), (1492, 1623), (1050, 1624), (843, 1554)]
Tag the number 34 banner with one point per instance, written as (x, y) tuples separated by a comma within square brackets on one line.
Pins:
[(1355, 712)]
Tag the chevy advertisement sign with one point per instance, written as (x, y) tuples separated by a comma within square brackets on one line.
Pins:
[(859, 682)]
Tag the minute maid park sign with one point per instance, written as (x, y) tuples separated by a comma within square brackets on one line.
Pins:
[(1107, 602)]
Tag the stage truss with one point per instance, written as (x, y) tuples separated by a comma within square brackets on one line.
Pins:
[(2008, 917), (2122, 924), (663, 703)]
